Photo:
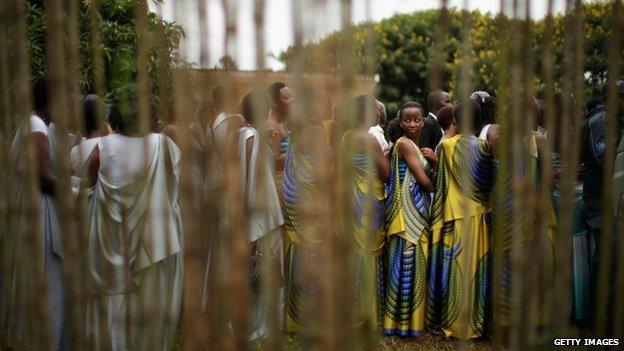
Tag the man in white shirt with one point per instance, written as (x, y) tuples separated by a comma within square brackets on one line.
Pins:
[(376, 130)]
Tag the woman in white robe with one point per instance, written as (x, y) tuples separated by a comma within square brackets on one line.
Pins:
[(220, 139), (263, 207), (135, 244), (22, 326)]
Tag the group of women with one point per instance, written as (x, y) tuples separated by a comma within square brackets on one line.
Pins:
[(417, 222), (127, 226), (423, 217)]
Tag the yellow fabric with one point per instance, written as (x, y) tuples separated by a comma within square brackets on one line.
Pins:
[(306, 208), (458, 204), (416, 321), (408, 250), (375, 188), (462, 230), (290, 325), (328, 125), (472, 234), (397, 224), (527, 225), (357, 172)]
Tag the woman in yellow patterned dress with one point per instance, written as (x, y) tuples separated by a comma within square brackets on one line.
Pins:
[(363, 172), (459, 278), (513, 215), (407, 225), (306, 210)]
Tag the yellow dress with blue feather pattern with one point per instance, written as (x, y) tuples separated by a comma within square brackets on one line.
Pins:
[(459, 277), (407, 226), (366, 195)]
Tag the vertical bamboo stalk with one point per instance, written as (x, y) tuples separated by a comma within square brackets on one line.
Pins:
[(196, 327), (28, 243), (546, 62), (518, 184), (464, 87), (96, 75), (572, 82), (142, 110), (6, 210), (342, 250), (163, 69), (615, 68), (437, 80), (535, 207), (271, 270), (309, 333), (97, 65), (66, 99), (199, 211), (5, 79), (143, 81), (371, 322), (503, 96), (606, 291)]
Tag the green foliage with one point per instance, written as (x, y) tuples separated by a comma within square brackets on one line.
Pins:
[(118, 39), (403, 51)]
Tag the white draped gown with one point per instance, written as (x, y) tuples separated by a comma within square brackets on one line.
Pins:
[(21, 326), (265, 217), (135, 245)]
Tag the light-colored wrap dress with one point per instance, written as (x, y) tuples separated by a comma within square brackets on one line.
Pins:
[(265, 217), (21, 326), (135, 245)]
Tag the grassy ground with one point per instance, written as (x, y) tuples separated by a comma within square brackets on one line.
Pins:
[(425, 342)]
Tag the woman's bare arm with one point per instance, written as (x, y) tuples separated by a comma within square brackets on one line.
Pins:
[(409, 154), (383, 166)]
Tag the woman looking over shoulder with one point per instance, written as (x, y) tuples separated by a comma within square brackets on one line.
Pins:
[(407, 224)]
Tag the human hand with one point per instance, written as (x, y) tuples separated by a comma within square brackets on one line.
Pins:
[(429, 155)]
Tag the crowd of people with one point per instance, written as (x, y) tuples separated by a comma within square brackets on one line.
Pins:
[(425, 209)]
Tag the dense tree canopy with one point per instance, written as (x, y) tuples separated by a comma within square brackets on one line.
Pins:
[(403, 50), (118, 37)]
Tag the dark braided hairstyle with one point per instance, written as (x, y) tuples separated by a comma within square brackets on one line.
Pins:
[(409, 104), (394, 129), (473, 109)]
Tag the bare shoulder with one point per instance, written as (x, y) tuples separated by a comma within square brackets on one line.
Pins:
[(540, 139), (405, 147), (373, 141)]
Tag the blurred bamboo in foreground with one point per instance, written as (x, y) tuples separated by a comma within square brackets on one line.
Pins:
[(224, 271)]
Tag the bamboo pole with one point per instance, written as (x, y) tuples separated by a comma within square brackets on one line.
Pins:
[(467, 117), (606, 291), (28, 245), (546, 64), (437, 80), (499, 243), (140, 108), (198, 211), (97, 75), (569, 152)]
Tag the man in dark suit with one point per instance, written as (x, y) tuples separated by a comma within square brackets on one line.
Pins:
[(431, 132)]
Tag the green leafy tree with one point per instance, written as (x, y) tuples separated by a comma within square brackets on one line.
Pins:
[(403, 51), (118, 36)]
